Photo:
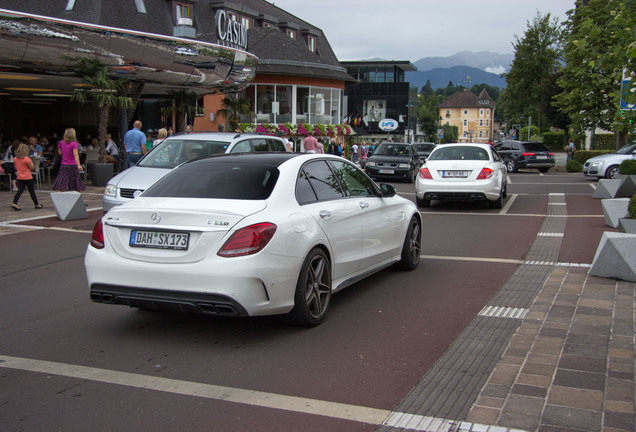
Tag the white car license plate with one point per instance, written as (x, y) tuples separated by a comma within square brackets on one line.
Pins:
[(540, 157), (159, 240), (455, 174), (386, 171)]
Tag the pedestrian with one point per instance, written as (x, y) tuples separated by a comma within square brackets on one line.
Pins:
[(310, 143), (68, 178), (135, 142), (161, 135), (569, 149), (354, 153), (24, 165), (111, 153)]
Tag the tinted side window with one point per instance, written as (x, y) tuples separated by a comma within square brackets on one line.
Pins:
[(242, 147), (316, 182), (356, 182), (515, 147), (276, 145), (260, 144)]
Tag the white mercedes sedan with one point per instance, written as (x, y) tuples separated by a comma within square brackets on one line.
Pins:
[(462, 172), (251, 234)]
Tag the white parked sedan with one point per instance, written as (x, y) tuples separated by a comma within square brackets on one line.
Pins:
[(251, 234), (462, 172)]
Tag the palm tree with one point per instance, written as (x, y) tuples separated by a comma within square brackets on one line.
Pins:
[(233, 107), (182, 104), (106, 91)]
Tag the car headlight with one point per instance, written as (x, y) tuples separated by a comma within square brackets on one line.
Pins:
[(110, 190), (371, 164), (597, 163), (404, 165)]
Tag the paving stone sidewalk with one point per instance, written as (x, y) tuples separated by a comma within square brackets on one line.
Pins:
[(570, 365)]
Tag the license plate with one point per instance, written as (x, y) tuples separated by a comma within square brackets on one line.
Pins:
[(456, 174), (159, 240), (540, 157), (386, 171)]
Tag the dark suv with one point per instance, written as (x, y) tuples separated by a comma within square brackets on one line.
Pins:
[(525, 154)]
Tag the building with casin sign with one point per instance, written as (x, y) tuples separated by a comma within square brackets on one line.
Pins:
[(281, 63)]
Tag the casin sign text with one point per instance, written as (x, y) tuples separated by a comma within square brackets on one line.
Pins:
[(230, 32)]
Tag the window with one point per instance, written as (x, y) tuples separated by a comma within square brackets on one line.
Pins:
[(318, 183), (311, 43), (183, 11), (465, 123), (246, 22), (481, 122), (481, 112), (465, 112), (141, 7), (291, 34)]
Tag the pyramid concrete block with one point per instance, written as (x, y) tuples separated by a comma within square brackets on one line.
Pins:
[(69, 205), (627, 187), (615, 257), (627, 225), (606, 188), (614, 210)]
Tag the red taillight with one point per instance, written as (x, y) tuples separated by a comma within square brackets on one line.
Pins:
[(551, 154), (97, 238), (528, 154), (426, 174), (485, 173), (248, 240)]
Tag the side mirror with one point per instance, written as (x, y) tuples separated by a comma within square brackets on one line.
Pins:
[(388, 190)]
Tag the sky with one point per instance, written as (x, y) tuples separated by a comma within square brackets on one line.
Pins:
[(414, 29)]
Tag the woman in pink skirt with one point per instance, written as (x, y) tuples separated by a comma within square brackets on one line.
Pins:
[(68, 179)]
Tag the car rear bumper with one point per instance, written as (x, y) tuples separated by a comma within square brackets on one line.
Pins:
[(536, 164)]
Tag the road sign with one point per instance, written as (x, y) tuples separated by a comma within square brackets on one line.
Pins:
[(440, 133)]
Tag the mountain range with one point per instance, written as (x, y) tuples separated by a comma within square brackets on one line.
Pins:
[(482, 67)]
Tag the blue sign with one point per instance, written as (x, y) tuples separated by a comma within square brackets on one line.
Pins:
[(624, 88), (440, 133), (388, 124)]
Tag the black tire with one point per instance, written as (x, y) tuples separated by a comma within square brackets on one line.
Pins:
[(544, 170), (422, 202), (611, 172), (412, 246), (313, 290), (496, 204), (511, 165)]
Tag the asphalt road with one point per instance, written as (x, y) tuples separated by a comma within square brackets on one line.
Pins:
[(77, 365)]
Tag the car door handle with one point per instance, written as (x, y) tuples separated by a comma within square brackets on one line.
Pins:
[(324, 214), (364, 204)]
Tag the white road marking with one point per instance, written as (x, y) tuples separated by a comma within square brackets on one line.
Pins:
[(296, 404), (476, 259)]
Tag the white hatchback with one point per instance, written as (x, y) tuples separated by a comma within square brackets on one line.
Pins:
[(462, 172), (251, 234), (130, 183)]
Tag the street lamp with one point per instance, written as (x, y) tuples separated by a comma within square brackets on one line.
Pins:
[(408, 121)]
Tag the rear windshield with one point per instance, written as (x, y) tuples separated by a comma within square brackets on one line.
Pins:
[(207, 179), (172, 152), (392, 150), (535, 147), (459, 153), (424, 147)]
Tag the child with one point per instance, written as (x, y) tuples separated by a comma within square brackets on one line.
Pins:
[(24, 166)]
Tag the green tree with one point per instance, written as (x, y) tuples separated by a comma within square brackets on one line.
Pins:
[(598, 48), (104, 90), (234, 106), (182, 104), (427, 89), (451, 134), (537, 58), (428, 115)]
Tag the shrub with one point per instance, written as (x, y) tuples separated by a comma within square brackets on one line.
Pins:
[(554, 140), (632, 207), (627, 167), (573, 166)]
